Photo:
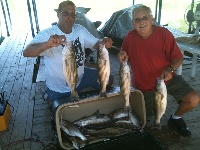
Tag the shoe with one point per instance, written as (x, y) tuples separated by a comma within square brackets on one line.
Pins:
[(179, 126)]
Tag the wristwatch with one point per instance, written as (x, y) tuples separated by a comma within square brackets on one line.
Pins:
[(171, 68)]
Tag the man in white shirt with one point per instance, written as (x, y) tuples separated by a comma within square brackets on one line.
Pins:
[(49, 43)]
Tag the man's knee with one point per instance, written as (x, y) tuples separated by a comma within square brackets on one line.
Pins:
[(192, 99)]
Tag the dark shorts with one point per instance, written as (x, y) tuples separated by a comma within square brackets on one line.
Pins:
[(176, 87), (89, 80)]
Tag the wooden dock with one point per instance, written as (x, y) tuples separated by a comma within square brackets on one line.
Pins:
[(30, 125)]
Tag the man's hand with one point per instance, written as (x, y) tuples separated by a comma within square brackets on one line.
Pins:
[(122, 56), (107, 41), (55, 40), (166, 74)]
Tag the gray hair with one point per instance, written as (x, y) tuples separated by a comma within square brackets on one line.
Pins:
[(141, 7)]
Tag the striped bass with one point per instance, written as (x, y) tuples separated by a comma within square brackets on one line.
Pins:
[(94, 119), (134, 119), (160, 102), (125, 83), (70, 69), (103, 68), (119, 113), (71, 130)]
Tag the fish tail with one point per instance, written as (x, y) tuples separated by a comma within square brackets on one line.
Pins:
[(74, 96), (127, 109), (102, 94), (156, 125), (83, 137)]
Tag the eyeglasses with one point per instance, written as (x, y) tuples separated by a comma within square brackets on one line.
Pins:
[(67, 14), (144, 18)]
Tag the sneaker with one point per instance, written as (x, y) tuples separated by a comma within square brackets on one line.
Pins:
[(179, 126)]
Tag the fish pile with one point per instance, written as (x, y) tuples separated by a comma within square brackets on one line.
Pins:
[(70, 69), (103, 68), (99, 127), (160, 102), (125, 83)]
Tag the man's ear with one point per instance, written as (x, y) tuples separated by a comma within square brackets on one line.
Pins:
[(152, 18)]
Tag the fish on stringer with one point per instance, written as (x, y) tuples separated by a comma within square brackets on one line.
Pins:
[(160, 102), (125, 84), (70, 69), (103, 68)]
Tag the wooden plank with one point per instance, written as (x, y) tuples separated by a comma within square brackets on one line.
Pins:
[(23, 122), (28, 132), (41, 119), (21, 112), (12, 93), (9, 52), (18, 92), (6, 47)]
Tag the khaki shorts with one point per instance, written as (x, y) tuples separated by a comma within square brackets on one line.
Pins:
[(177, 87)]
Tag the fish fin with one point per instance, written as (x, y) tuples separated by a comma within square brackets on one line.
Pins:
[(96, 112), (98, 81), (75, 144), (77, 78), (159, 96), (127, 109), (156, 126)]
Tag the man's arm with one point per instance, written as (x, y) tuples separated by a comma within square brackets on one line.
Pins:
[(107, 41), (33, 50), (174, 65)]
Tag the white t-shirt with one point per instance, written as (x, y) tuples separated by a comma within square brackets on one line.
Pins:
[(81, 38)]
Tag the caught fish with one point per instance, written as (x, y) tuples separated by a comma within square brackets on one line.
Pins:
[(95, 139), (94, 119), (125, 123), (71, 130), (103, 68), (126, 117), (124, 120), (134, 119), (160, 102), (109, 132), (119, 113), (70, 69), (125, 83), (76, 142)]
